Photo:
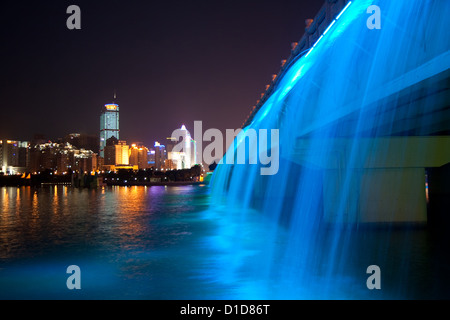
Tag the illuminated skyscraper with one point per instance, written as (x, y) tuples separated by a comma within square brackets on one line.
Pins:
[(122, 153), (160, 155), (182, 152), (186, 158), (138, 156), (109, 125), (194, 152)]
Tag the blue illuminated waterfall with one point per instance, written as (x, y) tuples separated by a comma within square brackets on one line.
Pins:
[(361, 116)]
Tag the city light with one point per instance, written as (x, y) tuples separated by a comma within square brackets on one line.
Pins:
[(111, 106)]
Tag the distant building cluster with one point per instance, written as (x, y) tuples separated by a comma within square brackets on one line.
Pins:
[(61, 157), (78, 152), (117, 154), (23, 156)]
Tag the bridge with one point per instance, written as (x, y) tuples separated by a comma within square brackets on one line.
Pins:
[(368, 108)]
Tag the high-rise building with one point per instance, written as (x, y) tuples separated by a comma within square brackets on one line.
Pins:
[(138, 156), (109, 125), (187, 144), (160, 155), (14, 156), (122, 153), (183, 152), (116, 154), (1, 155), (193, 152), (63, 163), (151, 158), (169, 165), (109, 152), (170, 143)]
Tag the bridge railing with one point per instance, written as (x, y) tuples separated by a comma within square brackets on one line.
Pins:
[(314, 28)]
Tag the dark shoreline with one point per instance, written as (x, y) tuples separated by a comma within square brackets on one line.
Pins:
[(17, 181), (150, 184), (33, 181)]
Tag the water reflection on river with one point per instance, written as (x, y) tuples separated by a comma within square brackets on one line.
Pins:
[(130, 242), (170, 243)]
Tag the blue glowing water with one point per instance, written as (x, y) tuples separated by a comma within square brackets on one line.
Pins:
[(174, 243), (337, 109), (129, 242)]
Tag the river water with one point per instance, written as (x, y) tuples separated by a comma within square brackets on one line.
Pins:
[(172, 243)]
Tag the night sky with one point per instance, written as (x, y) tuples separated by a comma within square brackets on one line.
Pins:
[(170, 62)]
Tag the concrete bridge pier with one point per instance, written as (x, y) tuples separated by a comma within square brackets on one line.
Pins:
[(376, 180), (380, 195)]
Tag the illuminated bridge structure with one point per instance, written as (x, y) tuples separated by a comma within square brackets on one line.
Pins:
[(367, 108)]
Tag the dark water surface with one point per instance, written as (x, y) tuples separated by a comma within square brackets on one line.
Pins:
[(170, 243), (129, 242)]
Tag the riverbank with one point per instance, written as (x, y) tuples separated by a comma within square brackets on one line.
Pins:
[(86, 181), (149, 184), (34, 180)]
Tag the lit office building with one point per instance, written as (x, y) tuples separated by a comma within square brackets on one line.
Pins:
[(160, 155), (183, 153), (151, 158), (122, 153), (138, 156), (193, 152), (109, 125), (187, 149), (13, 156), (117, 155), (109, 158), (85, 160)]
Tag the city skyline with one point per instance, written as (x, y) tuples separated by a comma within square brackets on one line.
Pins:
[(81, 153), (334, 184), (178, 65)]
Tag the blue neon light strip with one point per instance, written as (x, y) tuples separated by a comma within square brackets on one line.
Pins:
[(329, 27), (345, 8)]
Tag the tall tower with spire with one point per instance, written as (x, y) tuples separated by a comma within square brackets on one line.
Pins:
[(109, 124)]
